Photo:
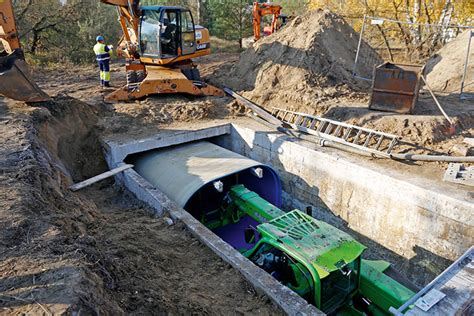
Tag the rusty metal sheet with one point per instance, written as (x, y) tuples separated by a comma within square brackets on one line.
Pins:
[(395, 87), (180, 171)]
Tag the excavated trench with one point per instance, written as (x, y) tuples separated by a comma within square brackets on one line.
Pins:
[(99, 250), (414, 225)]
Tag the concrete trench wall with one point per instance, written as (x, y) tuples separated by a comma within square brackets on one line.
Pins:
[(290, 302), (400, 212)]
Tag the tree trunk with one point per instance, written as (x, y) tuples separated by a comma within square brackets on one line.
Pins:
[(198, 11), (241, 24), (444, 21), (415, 29), (403, 32), (34, 42)]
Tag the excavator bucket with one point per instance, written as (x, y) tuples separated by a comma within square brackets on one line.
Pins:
[(15, 79)]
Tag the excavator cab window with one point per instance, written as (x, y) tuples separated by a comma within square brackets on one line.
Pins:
[(188, 40), (169, 33), (159, 33), (150, 34)]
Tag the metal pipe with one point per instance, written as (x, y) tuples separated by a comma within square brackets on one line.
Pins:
[(466, 62), (358, 47), (413, 157), (436, 101), (327, 143), (415, 297)]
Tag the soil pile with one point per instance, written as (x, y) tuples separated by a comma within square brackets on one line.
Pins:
[(445, 69), (306, 63)]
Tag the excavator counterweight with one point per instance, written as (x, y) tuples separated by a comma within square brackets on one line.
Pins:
[(15, 76)]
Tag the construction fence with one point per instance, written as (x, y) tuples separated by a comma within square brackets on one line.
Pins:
[(408, 43)]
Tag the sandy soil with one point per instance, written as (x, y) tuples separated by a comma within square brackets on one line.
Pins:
[(446, 68)]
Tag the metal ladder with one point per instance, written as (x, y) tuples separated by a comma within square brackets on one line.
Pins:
[(361, 138)]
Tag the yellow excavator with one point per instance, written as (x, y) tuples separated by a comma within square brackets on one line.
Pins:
[(15, 76), (159, 43)]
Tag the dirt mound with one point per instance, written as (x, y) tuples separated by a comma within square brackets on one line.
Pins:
[(445, 69), (308, 62)]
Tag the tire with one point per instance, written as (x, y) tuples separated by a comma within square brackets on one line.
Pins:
[(195, 74), (192, 74), (132, 77), (140, 75)]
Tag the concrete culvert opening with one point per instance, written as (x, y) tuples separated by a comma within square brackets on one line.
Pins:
[(198, 177), (300, 187)]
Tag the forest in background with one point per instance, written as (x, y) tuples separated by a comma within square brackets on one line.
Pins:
[(64, 31)]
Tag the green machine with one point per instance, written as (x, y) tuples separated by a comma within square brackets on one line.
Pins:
[(311, 257)]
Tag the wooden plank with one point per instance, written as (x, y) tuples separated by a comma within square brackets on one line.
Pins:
[(99, 177), (254, 107)]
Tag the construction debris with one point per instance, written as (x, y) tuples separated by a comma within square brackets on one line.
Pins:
[(469, 141), (458, 173), (459, 149)]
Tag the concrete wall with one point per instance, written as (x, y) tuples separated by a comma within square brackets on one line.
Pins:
[(116, 151), (290, 302), (398, 211)]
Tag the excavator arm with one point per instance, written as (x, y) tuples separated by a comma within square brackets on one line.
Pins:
[(262, 9), (8, 33), (129, 18), (15, 75), (155, 66)]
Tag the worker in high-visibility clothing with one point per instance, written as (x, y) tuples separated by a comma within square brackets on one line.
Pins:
[(102, 54)]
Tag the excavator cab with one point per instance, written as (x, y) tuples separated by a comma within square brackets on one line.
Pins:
[(166, 32)]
